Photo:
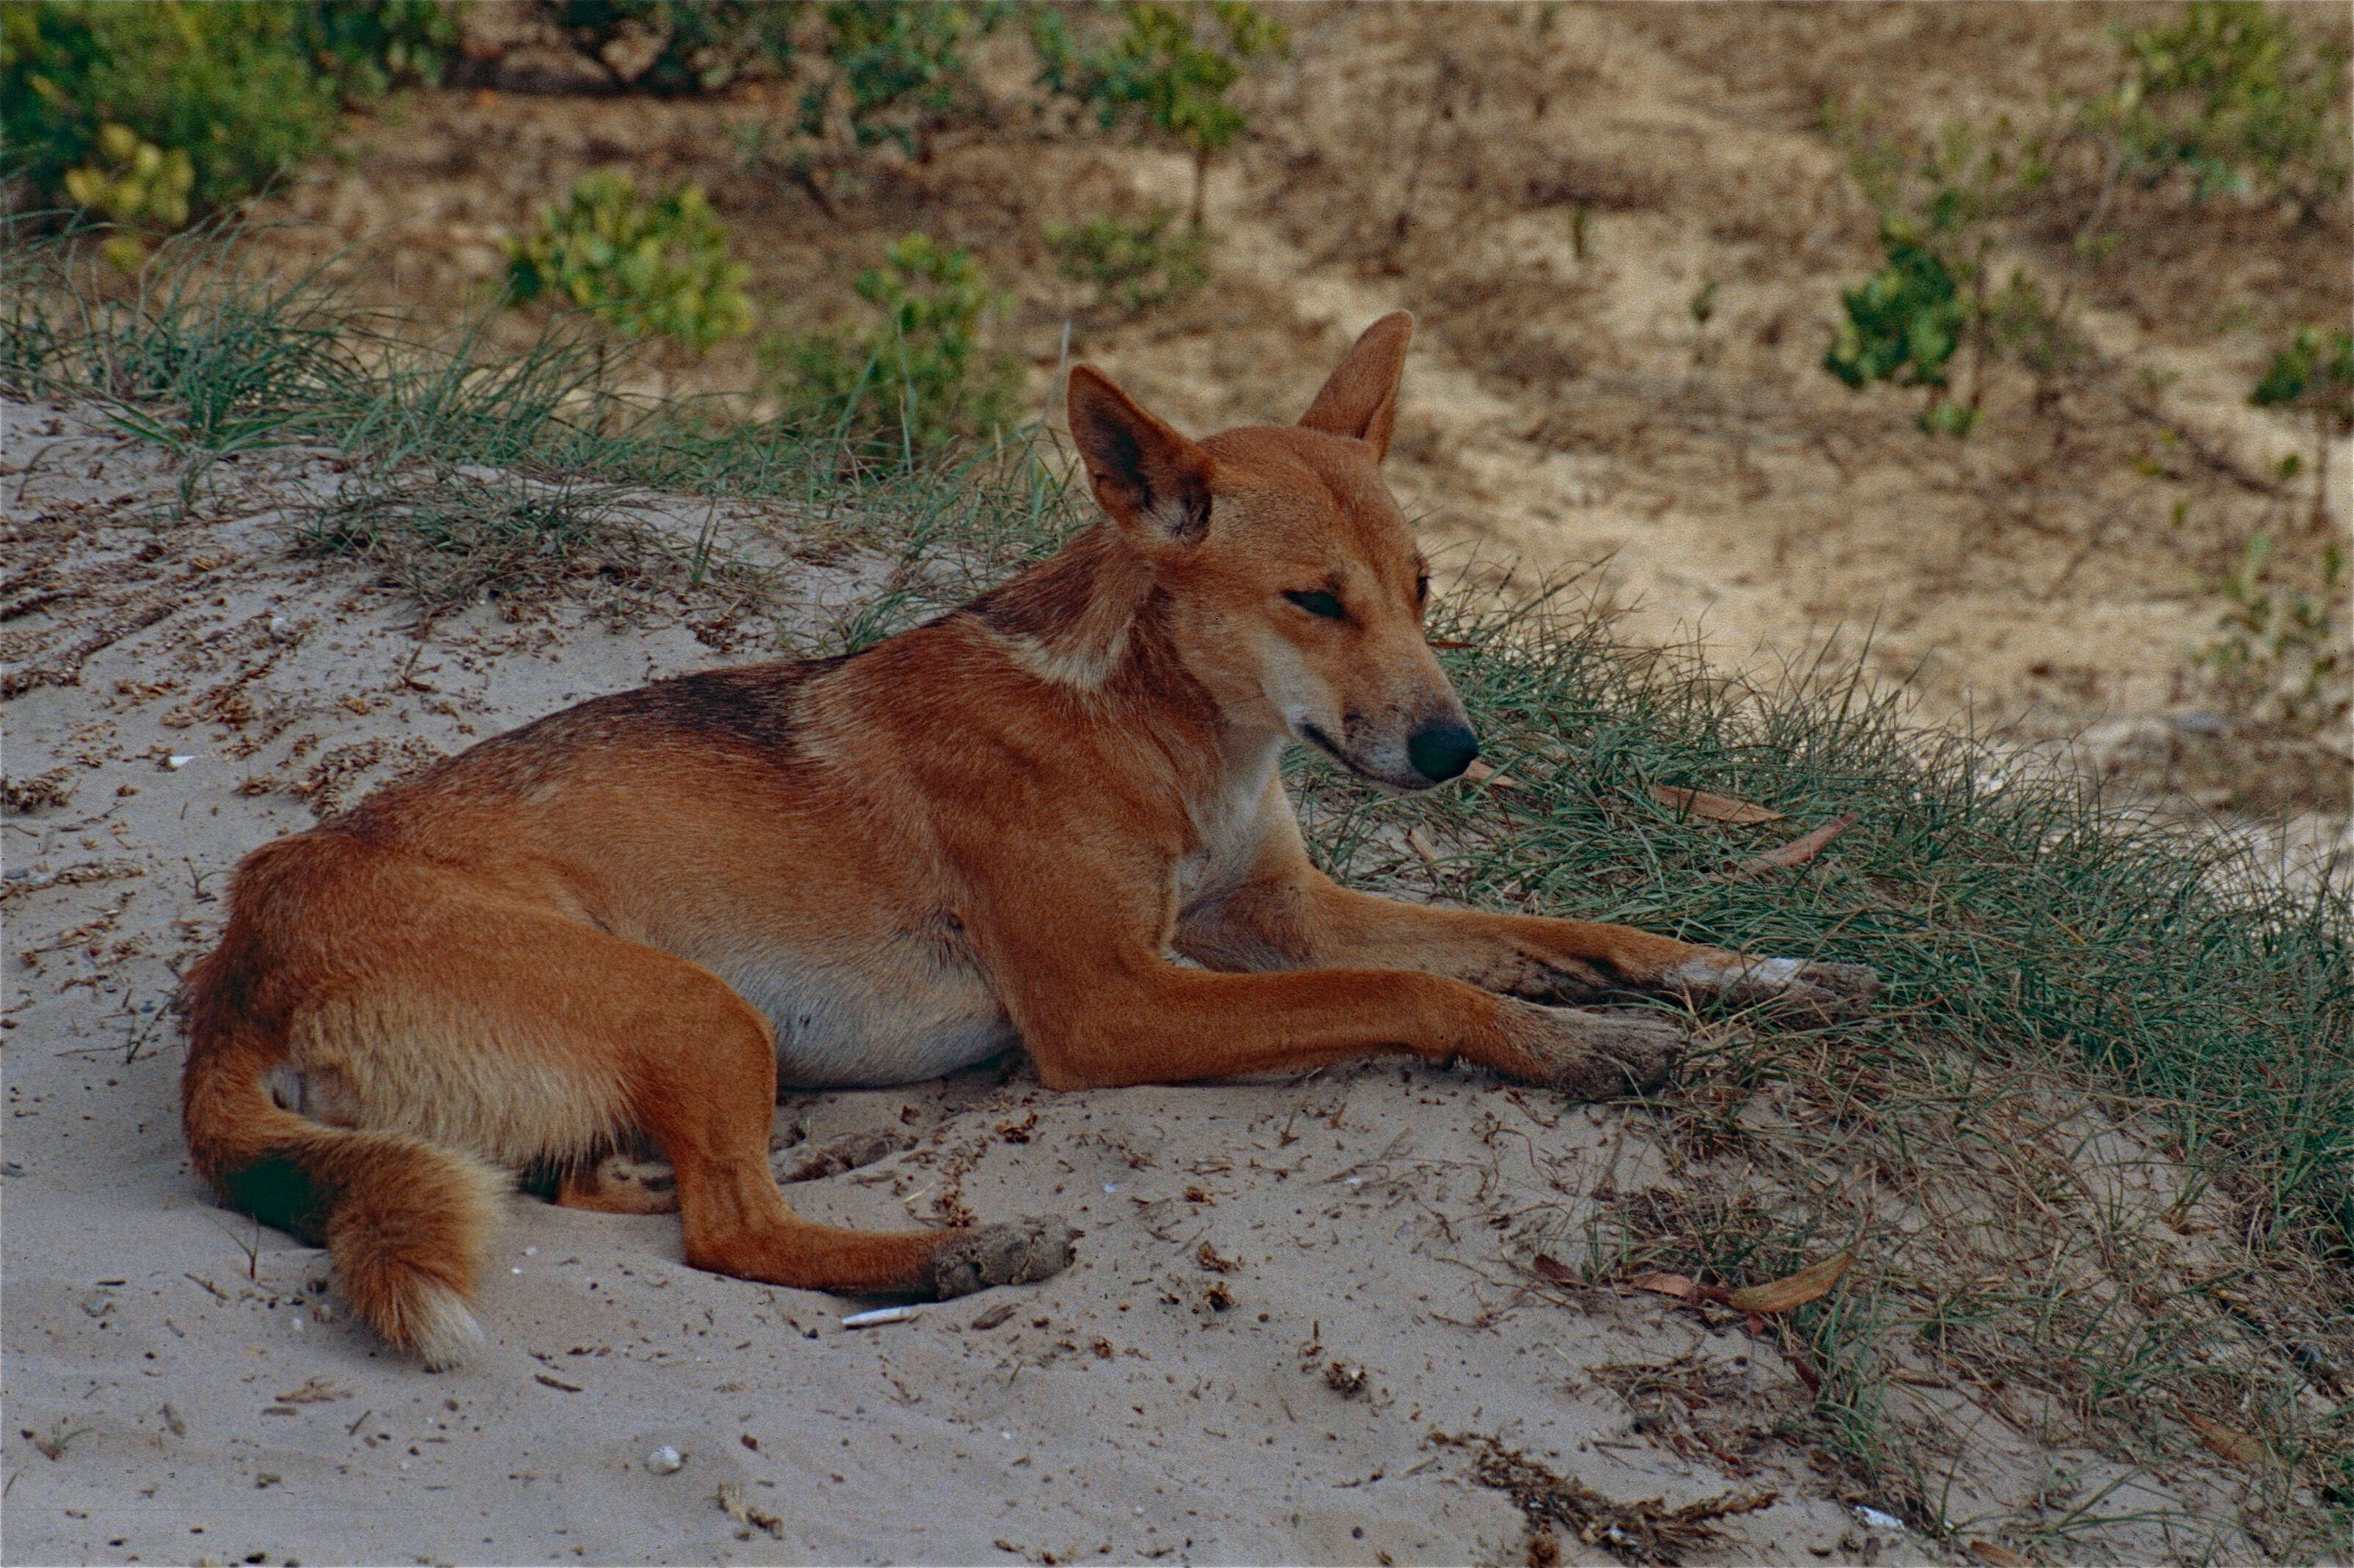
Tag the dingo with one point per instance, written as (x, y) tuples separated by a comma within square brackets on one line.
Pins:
[(616, 929)]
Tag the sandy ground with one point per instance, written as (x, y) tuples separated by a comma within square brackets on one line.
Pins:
[(1293, 1298)]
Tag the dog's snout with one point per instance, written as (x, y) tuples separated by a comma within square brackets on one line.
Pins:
[(1440, 751)]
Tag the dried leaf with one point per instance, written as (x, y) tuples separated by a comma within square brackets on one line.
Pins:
[(1712, 808), (1419, 842), (1478, 772), (2224, 1441), (2000, 1556), (1798, 852), (1681, 1287), (1554, 1269), (318, 1391), (1809, 1283)]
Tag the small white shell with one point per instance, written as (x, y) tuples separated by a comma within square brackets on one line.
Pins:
[(1875, 1520), (879, 1316), (665, 1461)]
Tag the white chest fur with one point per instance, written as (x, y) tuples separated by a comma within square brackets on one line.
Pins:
[(1228, 824)]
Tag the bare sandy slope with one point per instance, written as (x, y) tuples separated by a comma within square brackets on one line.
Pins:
[(1285, 1293)]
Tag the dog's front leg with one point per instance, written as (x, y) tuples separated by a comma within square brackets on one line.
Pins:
[(1079, 962), (1288, 915), (1146, 1021)]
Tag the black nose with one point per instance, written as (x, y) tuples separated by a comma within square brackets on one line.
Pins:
[(1441, 751)]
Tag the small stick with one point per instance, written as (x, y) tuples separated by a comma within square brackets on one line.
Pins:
[(1798, 852)]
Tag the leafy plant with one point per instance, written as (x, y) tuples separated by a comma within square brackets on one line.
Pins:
[(658, 267), (1131, 266), (2231, 94), (1939, 204), (367, 47), (699, 47), (898, 66), (134, 184), (2282, 656), (2314, 376), (1902, 325), (1172, 68), (231, 86), (918, 377)]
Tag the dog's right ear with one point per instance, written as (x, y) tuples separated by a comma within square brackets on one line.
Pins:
[(1143, 473), (1359, 399)]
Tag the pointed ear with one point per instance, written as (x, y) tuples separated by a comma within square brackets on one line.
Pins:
[(1143, 473), (1361, 399)]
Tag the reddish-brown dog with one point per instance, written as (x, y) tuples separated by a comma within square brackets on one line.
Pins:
[(1050, 818)]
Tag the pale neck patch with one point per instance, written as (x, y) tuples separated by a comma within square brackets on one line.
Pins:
[(1083, 653), (1079, 662)]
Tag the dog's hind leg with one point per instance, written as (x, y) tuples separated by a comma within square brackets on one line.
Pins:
[(699, 1068), (529, 1036)]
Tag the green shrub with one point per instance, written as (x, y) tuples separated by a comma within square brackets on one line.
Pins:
[(1940, 200), (1132, 266), (2314, 376), (2232, 94), (367, 47), (659, 267), (1902, 325), (230, 85), (2280, 655), (899, 65), (1172, 66), (916, 378), (134, 186), (699, 47)]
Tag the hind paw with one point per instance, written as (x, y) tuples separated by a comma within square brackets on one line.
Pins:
[(1017, 1254)]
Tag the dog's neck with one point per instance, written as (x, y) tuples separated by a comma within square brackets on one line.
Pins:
[(1071, 618), (1094, 621)]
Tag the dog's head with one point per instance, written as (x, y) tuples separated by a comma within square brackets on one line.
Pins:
[(1296, 592)]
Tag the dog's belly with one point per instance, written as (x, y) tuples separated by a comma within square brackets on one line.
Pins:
[(861, 1027)]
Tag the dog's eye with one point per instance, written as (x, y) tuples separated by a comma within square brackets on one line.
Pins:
[(1318, 603)]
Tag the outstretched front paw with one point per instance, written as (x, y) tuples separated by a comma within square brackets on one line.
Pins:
[(1593, 1055), (1830, 992)]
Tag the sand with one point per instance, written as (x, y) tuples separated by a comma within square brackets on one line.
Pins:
[(1289, 1294)]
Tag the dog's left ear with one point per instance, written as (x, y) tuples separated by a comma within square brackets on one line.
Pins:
[(1360, 398), (1143, 473)]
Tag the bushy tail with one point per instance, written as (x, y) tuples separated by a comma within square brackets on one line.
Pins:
[(407, 1221)]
